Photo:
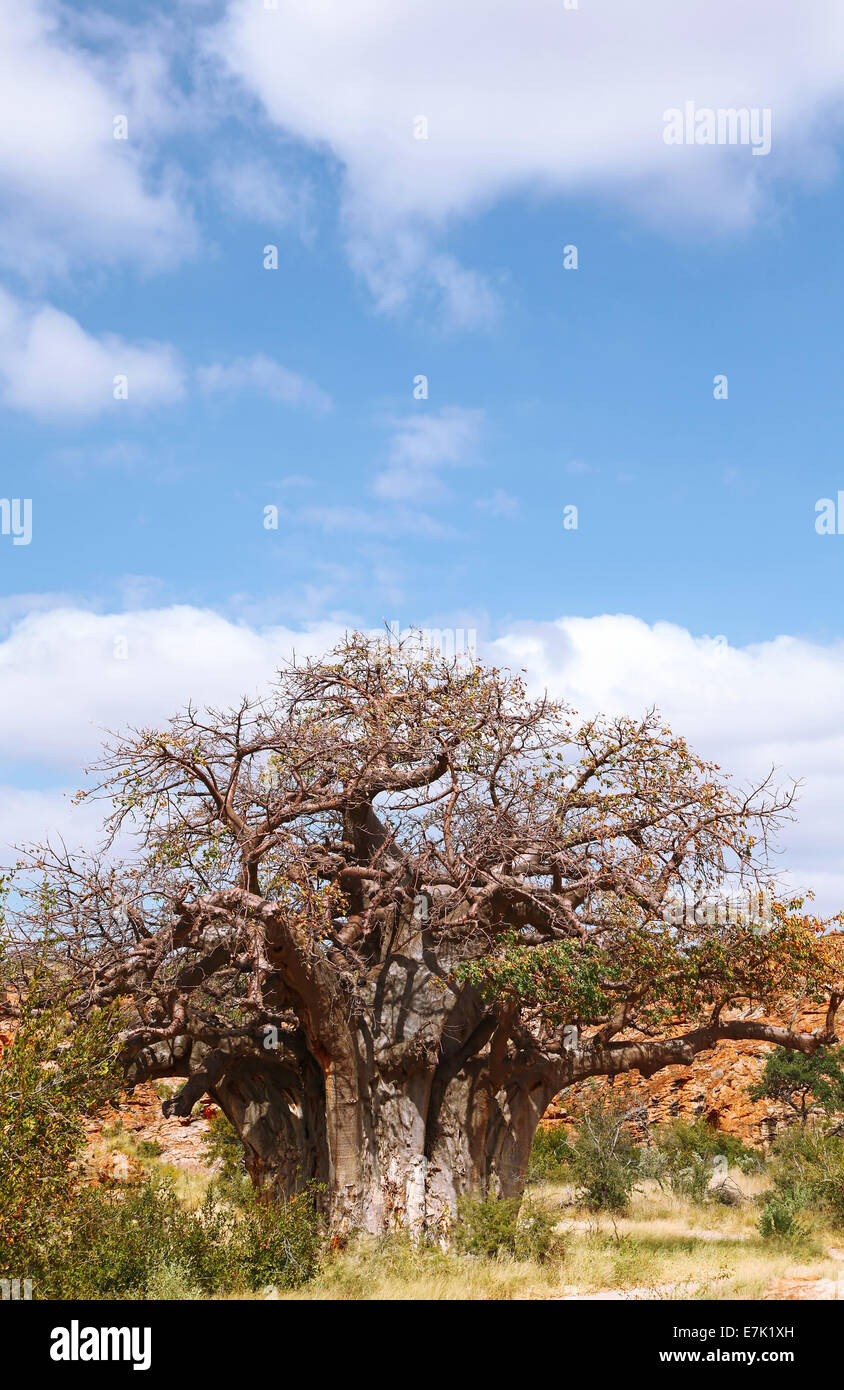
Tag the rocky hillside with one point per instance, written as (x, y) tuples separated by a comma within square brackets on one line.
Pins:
[(140, 1119), (714, 1088)]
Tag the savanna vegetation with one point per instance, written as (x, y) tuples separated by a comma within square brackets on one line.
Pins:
[(612, 1203), (380, 917)]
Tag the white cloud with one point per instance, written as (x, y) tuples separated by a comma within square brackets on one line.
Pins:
[(172, 655), (70, 190), (395, 258), (421, 446), (776, 702), (499, 504), (536, 97), (261, 374), (51, 367), (31, 817), (255, 191)]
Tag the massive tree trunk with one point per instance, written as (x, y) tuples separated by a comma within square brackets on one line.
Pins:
[(390, 1152), (395, 1149), (416, 1096), (393, 1110)]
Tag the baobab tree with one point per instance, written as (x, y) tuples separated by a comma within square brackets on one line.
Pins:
[(384, 913)]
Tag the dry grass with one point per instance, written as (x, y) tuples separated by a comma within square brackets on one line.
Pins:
[(665, 1249)]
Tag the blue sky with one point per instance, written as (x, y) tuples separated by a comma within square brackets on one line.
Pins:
[(293, 387), (591, 387)]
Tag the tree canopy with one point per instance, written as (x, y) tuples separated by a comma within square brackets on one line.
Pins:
[(387, 910)]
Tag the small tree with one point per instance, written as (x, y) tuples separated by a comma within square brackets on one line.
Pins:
[(808, 1084), (605, 1156)]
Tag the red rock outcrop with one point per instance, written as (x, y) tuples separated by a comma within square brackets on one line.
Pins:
[(713, 1088)]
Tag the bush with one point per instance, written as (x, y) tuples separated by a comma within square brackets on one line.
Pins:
[(491, 1227), (685, 1155), (120, 1241), (683, 1139), (809, 1086), (52, 1076), (222, 1146), (605, 1158), (82, 1242), (148, 1148), (779, 1217), (278, 1244), (690, 1178), (550, 1155), (808, 1171), (141, 1243)]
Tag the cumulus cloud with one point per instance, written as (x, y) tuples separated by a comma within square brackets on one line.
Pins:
[(126, 668), (438, 111), (772, 703), (70, 190), (421, 446), (263, 375), (52, 368)]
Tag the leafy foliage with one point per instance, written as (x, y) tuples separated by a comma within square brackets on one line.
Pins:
[(140, 1242), (812, 1085), (807, 1166), (491, 1226), (550, 1155), (52, 1076), (681, 972), (223, 1146), (605, 1155)]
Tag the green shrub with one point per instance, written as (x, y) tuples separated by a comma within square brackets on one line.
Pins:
[(278, 1244), (605, 1158), (139, 1242), (52, 1076), (779, 1217), (550, 1155), (148, 1148), (812, 1085), (222, 1146), (684, 1156), (808, 1169), (119, 1241), (682, 1140), (490, 1226), (692, 1178)]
